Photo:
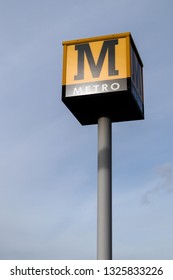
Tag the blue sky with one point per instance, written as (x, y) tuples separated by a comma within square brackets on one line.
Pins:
[(48, 166)]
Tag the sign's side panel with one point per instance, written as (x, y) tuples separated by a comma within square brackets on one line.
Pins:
[(128, 55), (137, 77)]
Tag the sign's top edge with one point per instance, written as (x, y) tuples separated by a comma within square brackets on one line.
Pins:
[(98, 38)]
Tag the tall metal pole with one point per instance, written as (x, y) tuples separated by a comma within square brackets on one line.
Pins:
[(104, 200)]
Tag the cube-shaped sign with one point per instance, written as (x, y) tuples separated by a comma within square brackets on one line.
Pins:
[(103, 76)]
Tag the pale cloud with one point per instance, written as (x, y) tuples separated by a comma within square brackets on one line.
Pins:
[(163, 185)]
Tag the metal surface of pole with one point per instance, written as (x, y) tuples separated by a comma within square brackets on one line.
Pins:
[(104, 200)]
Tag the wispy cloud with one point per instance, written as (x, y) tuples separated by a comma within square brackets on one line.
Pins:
[(164, 184)]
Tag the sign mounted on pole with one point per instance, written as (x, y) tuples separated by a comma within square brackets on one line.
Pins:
[(102, 76)]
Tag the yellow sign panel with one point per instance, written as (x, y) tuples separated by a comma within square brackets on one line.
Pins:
[(93, 61)]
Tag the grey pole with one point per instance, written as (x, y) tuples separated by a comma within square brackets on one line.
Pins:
[(104, 199)]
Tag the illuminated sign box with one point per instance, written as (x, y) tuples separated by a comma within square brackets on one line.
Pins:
[(103, 76)]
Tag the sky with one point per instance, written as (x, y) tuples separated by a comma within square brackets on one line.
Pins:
[(48, 160)]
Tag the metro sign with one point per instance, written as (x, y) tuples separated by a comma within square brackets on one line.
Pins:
[(102, 76)]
